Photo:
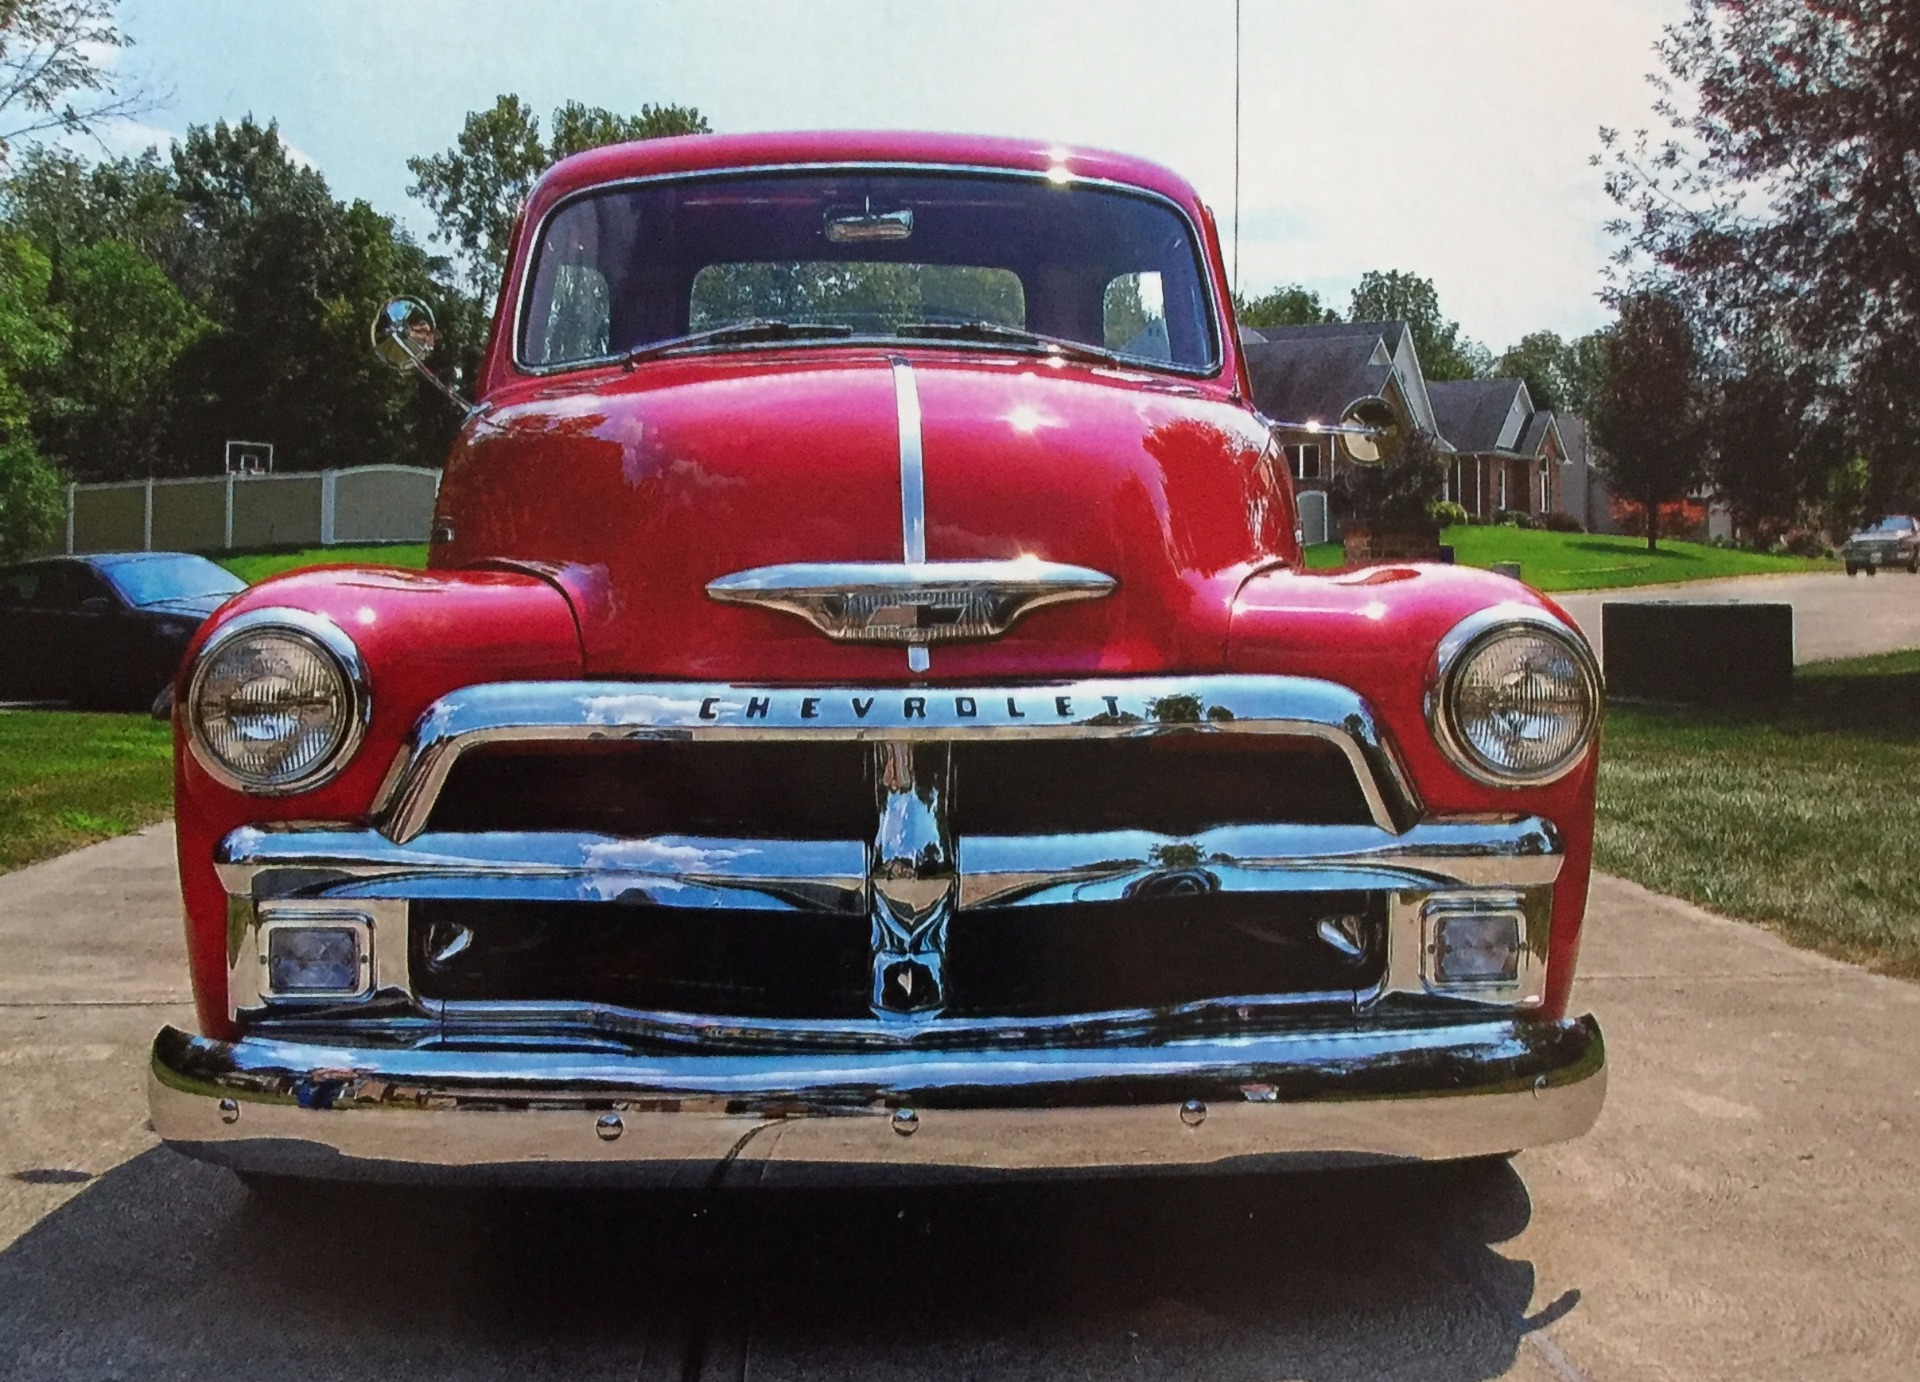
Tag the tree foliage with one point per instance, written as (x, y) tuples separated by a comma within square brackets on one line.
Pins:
[(1445, 353), (56, 76), (1288, 305), (1398, 492), (1646, 417), (1778, 201), (476, 188)]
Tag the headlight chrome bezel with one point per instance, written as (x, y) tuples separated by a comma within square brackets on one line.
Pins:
[(1457, 650), (324, 637)]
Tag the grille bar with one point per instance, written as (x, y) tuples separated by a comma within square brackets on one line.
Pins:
[(588, 712)]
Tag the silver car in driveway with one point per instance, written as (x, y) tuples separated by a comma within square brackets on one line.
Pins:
[(1893, 541)]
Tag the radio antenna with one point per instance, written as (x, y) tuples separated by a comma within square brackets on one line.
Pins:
[(1236, 145)]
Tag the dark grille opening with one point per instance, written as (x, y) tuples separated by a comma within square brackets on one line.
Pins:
[(1152, 952), (738, 963), (1172, 784), (766, 790)]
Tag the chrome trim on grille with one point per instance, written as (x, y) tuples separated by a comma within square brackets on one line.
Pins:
[(887, 602), (831, 875), (577, 712)]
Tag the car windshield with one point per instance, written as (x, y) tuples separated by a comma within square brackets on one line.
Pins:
[(150, 580), (1893, 525), (976, 260)]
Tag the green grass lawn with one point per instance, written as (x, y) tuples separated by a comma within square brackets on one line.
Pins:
[(1588, 561), (68, 779), (257, 566), (1804, 817)]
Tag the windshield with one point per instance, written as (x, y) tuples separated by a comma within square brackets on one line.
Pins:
[(1893, 525), (153, 579), (970, 259)]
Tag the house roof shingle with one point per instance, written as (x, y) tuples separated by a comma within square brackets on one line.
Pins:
[(1472, 413), (1315, 378)]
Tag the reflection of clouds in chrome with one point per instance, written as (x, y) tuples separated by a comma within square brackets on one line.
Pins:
[(661, 856), (625, 708)]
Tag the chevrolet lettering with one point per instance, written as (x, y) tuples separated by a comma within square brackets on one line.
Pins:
[(866, 711)]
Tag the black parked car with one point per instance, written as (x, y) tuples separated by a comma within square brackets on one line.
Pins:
[(104, 630)]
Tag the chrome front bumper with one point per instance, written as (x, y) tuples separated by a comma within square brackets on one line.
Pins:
[(528, 1115)]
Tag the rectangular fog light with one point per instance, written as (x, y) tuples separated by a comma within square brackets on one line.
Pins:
[(1475, 943), (316, 959)]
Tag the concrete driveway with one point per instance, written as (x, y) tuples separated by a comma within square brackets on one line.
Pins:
[(1749, 1207), (1833, 615)]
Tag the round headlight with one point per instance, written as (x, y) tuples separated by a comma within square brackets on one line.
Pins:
[(1516, 697), (277, 702)]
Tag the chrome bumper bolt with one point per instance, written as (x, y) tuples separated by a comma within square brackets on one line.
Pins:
[(229, 1110), (1193, 1113), (608, 1127), (906, 1122)]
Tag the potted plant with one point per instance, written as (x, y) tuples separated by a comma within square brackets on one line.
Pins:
[(1389, 506)]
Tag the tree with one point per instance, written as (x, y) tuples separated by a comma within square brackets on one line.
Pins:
[(1396, 296), (53, 79), (476, 188), (1542, 359), (1646, 417), (1772, 438), (293, 278), (107, 406), (1781, 199), (1288, 305), (32, 335)]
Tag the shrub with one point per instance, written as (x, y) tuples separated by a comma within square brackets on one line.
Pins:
[(1448, 514), (1400, 492), (32, 504), (1514, 518), (1560, 521)]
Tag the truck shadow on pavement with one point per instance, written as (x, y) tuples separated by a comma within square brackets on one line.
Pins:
[(167, 1267)]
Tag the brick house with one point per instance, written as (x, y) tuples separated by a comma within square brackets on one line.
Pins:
[(1320, 374), (1509, 455)]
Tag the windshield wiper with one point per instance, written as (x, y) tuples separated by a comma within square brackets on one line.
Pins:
[(760, 329), (1013, 335)]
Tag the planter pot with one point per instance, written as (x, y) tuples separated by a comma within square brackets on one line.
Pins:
[(1365, 543)]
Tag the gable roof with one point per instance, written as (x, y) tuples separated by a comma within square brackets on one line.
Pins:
[(1477, 414), (1316, 379)]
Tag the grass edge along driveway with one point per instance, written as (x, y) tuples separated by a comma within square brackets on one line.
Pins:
[(69, 779), (1594, 561), (1802, 817)]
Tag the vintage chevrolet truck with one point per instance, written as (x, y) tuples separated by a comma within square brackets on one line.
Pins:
[(866, 712)]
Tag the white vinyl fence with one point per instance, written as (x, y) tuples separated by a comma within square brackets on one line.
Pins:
[(368, 503)]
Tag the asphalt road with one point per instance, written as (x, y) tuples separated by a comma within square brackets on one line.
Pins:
[(1833, 615), (1747, 1208)]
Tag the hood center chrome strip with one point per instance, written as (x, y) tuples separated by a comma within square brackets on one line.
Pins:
[(913, 481)]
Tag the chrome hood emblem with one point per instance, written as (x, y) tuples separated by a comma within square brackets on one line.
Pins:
[(915, 603)]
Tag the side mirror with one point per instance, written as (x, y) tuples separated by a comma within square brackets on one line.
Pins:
[(1371, 433), (404, 335), (96, 604)]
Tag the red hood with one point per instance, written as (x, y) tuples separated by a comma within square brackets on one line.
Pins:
[(640, 488)]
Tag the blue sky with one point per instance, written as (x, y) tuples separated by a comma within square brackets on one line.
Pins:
[(1449, 137)]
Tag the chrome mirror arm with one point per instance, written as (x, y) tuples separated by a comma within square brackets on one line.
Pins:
[(404, 335)]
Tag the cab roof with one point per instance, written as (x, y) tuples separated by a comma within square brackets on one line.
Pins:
[(710, 152)]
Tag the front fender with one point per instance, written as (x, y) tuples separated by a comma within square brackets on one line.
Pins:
[(1376, 630), (421, 634)]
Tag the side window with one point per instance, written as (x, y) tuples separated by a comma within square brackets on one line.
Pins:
[(19, 586), (64, 587), (1133, 317)]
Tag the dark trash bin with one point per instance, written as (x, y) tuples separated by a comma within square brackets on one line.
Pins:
[(1709, 651)]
